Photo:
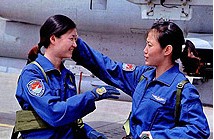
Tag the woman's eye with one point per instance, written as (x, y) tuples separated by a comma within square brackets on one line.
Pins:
[(149, 45), (73, 39)]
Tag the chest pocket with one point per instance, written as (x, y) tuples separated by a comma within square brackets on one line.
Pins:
[(159, 109), (152, 108)]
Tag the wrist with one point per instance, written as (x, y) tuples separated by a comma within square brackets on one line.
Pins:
[(94, 95)]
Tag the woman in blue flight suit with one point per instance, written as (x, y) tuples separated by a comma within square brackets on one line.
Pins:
[(154, 96), (49, 89)]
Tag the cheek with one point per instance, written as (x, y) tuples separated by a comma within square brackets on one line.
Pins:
[(152, 52), (154, 55), (155, 51), (66, 46)]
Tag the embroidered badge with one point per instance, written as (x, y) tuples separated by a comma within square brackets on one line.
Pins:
[(101, 90), (159, 99), (36, 87), (128, 67), (71, 86)]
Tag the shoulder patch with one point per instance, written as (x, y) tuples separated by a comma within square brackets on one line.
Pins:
[(36, 87), (128, 67)]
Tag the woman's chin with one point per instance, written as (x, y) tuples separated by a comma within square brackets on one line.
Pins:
[(146, 63)]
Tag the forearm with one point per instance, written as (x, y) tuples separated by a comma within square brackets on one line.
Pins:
[(103, 67), (57, 113)]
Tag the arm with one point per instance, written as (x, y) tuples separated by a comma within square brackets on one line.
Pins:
[(48, 106), (51, 107), (104, 68)]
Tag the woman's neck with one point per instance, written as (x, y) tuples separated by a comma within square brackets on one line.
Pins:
[(163, 68), (54, 60)]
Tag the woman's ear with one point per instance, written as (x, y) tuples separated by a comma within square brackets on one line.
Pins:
[(168, 50), (52, 39)]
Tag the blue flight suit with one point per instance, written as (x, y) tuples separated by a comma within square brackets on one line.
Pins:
[(56, 102), (153, 100)]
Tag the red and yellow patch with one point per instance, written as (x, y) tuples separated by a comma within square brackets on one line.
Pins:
[(128, 67), (36, 87)]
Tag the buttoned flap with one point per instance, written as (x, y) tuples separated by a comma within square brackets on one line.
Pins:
[(149, 100), (154, 101)]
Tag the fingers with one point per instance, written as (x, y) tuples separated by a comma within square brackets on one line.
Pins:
[(112, 90), (113, 97), (109, 88)]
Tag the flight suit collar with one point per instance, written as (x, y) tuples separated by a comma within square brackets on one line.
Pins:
[(48, 66), (169, 76), (45, 63), (166, 78)]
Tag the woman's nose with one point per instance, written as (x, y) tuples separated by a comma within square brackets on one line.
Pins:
[(145, 50), (74, 44)]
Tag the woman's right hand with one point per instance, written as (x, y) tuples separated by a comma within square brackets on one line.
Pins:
[(105, 92)]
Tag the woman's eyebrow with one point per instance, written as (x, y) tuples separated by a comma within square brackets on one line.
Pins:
[(74, 35)]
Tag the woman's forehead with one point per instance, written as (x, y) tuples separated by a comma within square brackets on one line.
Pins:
[(153, 34), (72, 32)]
